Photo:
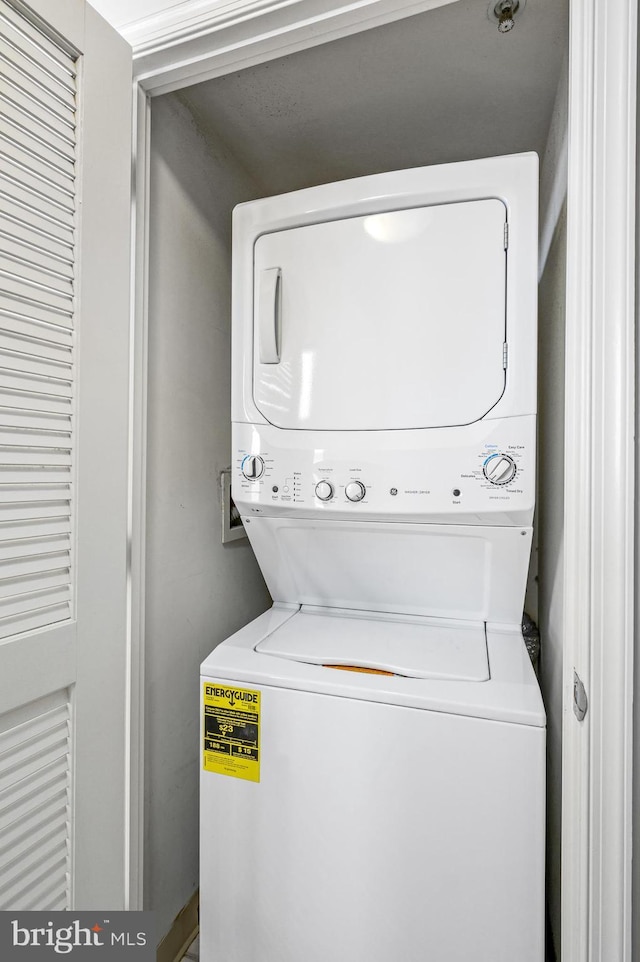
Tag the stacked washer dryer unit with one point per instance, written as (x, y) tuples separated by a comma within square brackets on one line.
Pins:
[(384, 399)]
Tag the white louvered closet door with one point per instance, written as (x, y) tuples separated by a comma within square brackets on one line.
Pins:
[(65, 141)]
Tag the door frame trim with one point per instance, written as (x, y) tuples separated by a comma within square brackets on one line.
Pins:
[(599, 491), (136, 580), (599, 413)]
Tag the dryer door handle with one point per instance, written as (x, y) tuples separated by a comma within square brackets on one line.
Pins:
[(269, 299)]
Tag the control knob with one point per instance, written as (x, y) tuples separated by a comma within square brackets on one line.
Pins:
[(355, 491), (499, 469), (324, 490), (252, 467)]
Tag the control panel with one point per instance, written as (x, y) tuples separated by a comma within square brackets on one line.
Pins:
[(481, 473)]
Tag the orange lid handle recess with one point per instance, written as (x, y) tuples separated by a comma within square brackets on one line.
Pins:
[(368, 671)]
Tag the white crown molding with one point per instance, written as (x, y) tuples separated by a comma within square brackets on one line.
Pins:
[(184, 21), (200, 39)]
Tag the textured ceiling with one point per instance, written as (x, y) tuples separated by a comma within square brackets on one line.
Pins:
[(440, 86)]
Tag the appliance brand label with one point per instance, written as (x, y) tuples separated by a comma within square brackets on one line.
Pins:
[(231, 731)]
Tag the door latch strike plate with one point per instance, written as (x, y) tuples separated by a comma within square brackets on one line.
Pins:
[(580, 700)]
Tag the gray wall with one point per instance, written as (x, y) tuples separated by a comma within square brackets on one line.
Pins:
[(198, 591), (550, 513)]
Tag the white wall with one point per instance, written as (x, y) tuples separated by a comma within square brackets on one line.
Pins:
[(550, 513), (198, 591)]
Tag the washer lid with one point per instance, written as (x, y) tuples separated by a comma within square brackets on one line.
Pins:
[(412, 647)]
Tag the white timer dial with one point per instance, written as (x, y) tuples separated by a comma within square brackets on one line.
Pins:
[(253, 467), (355, 491), (499, 469), (324, 490)]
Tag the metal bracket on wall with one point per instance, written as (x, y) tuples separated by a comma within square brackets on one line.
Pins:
[(232, 527)]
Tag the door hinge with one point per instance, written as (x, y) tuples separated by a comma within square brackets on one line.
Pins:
[(505, 355), (506, 236), (580, 700)]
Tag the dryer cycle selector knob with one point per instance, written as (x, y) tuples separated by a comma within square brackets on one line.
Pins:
[(355, 491), (499, 469), (252, 467), (324, 490)]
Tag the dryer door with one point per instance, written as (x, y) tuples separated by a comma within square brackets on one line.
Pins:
[(382, 322)]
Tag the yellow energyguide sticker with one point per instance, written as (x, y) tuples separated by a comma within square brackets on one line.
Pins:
[(231, 730)]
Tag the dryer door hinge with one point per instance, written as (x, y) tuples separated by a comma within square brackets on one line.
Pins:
[(505, 355), (580, 700), (506, 236)]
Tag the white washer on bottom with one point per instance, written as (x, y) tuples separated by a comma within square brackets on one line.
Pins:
[(396, 816)]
